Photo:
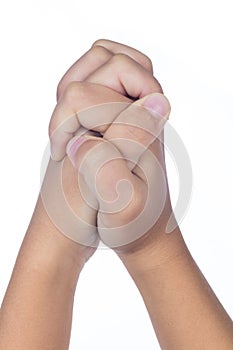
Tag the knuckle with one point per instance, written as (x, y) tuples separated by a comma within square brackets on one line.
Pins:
[(121, 59), (159, 88), (60, 89), (148, 63), (74, 90), (100, 52), (143, 58), (99, 42), (153, 85), (51, 127)]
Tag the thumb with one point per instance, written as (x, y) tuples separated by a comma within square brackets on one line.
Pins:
[(105, 172), (138, 126)]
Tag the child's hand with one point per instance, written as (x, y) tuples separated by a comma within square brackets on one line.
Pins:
[(120, 68), (70, 204), (125, 171), (109, 121), (129, 73)]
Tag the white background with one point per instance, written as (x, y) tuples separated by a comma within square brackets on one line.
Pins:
[(190, 43)]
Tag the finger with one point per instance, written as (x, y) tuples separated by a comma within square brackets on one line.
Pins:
[(100, 52), (116, 48), (82, 104), (138, 126), (106, 174), (122, 74), (83, 67), (64, 204), (126, 205)]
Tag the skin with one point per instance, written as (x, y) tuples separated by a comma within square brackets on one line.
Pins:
[(183, 308)]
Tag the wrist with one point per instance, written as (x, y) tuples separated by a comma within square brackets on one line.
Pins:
[(152, 250), (47, 251)]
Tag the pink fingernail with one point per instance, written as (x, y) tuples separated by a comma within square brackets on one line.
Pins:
[(73, 146), (158, 104)]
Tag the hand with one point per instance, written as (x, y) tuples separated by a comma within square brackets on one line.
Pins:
[(65, 205), (125, 171), (124, 142), (66, 122)]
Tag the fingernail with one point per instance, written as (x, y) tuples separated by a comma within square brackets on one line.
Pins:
[(158, 104), (55, 155), (74, 145)]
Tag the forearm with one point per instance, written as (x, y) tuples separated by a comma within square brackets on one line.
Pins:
[(184, 311), (37, 309)]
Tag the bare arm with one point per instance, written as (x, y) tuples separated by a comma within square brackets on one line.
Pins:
[(37, 309), (183, 308)]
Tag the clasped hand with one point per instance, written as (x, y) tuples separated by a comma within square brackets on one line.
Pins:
[(106, 178)]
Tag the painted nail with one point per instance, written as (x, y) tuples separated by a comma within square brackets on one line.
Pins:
[(74, 145), (158, 104)]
